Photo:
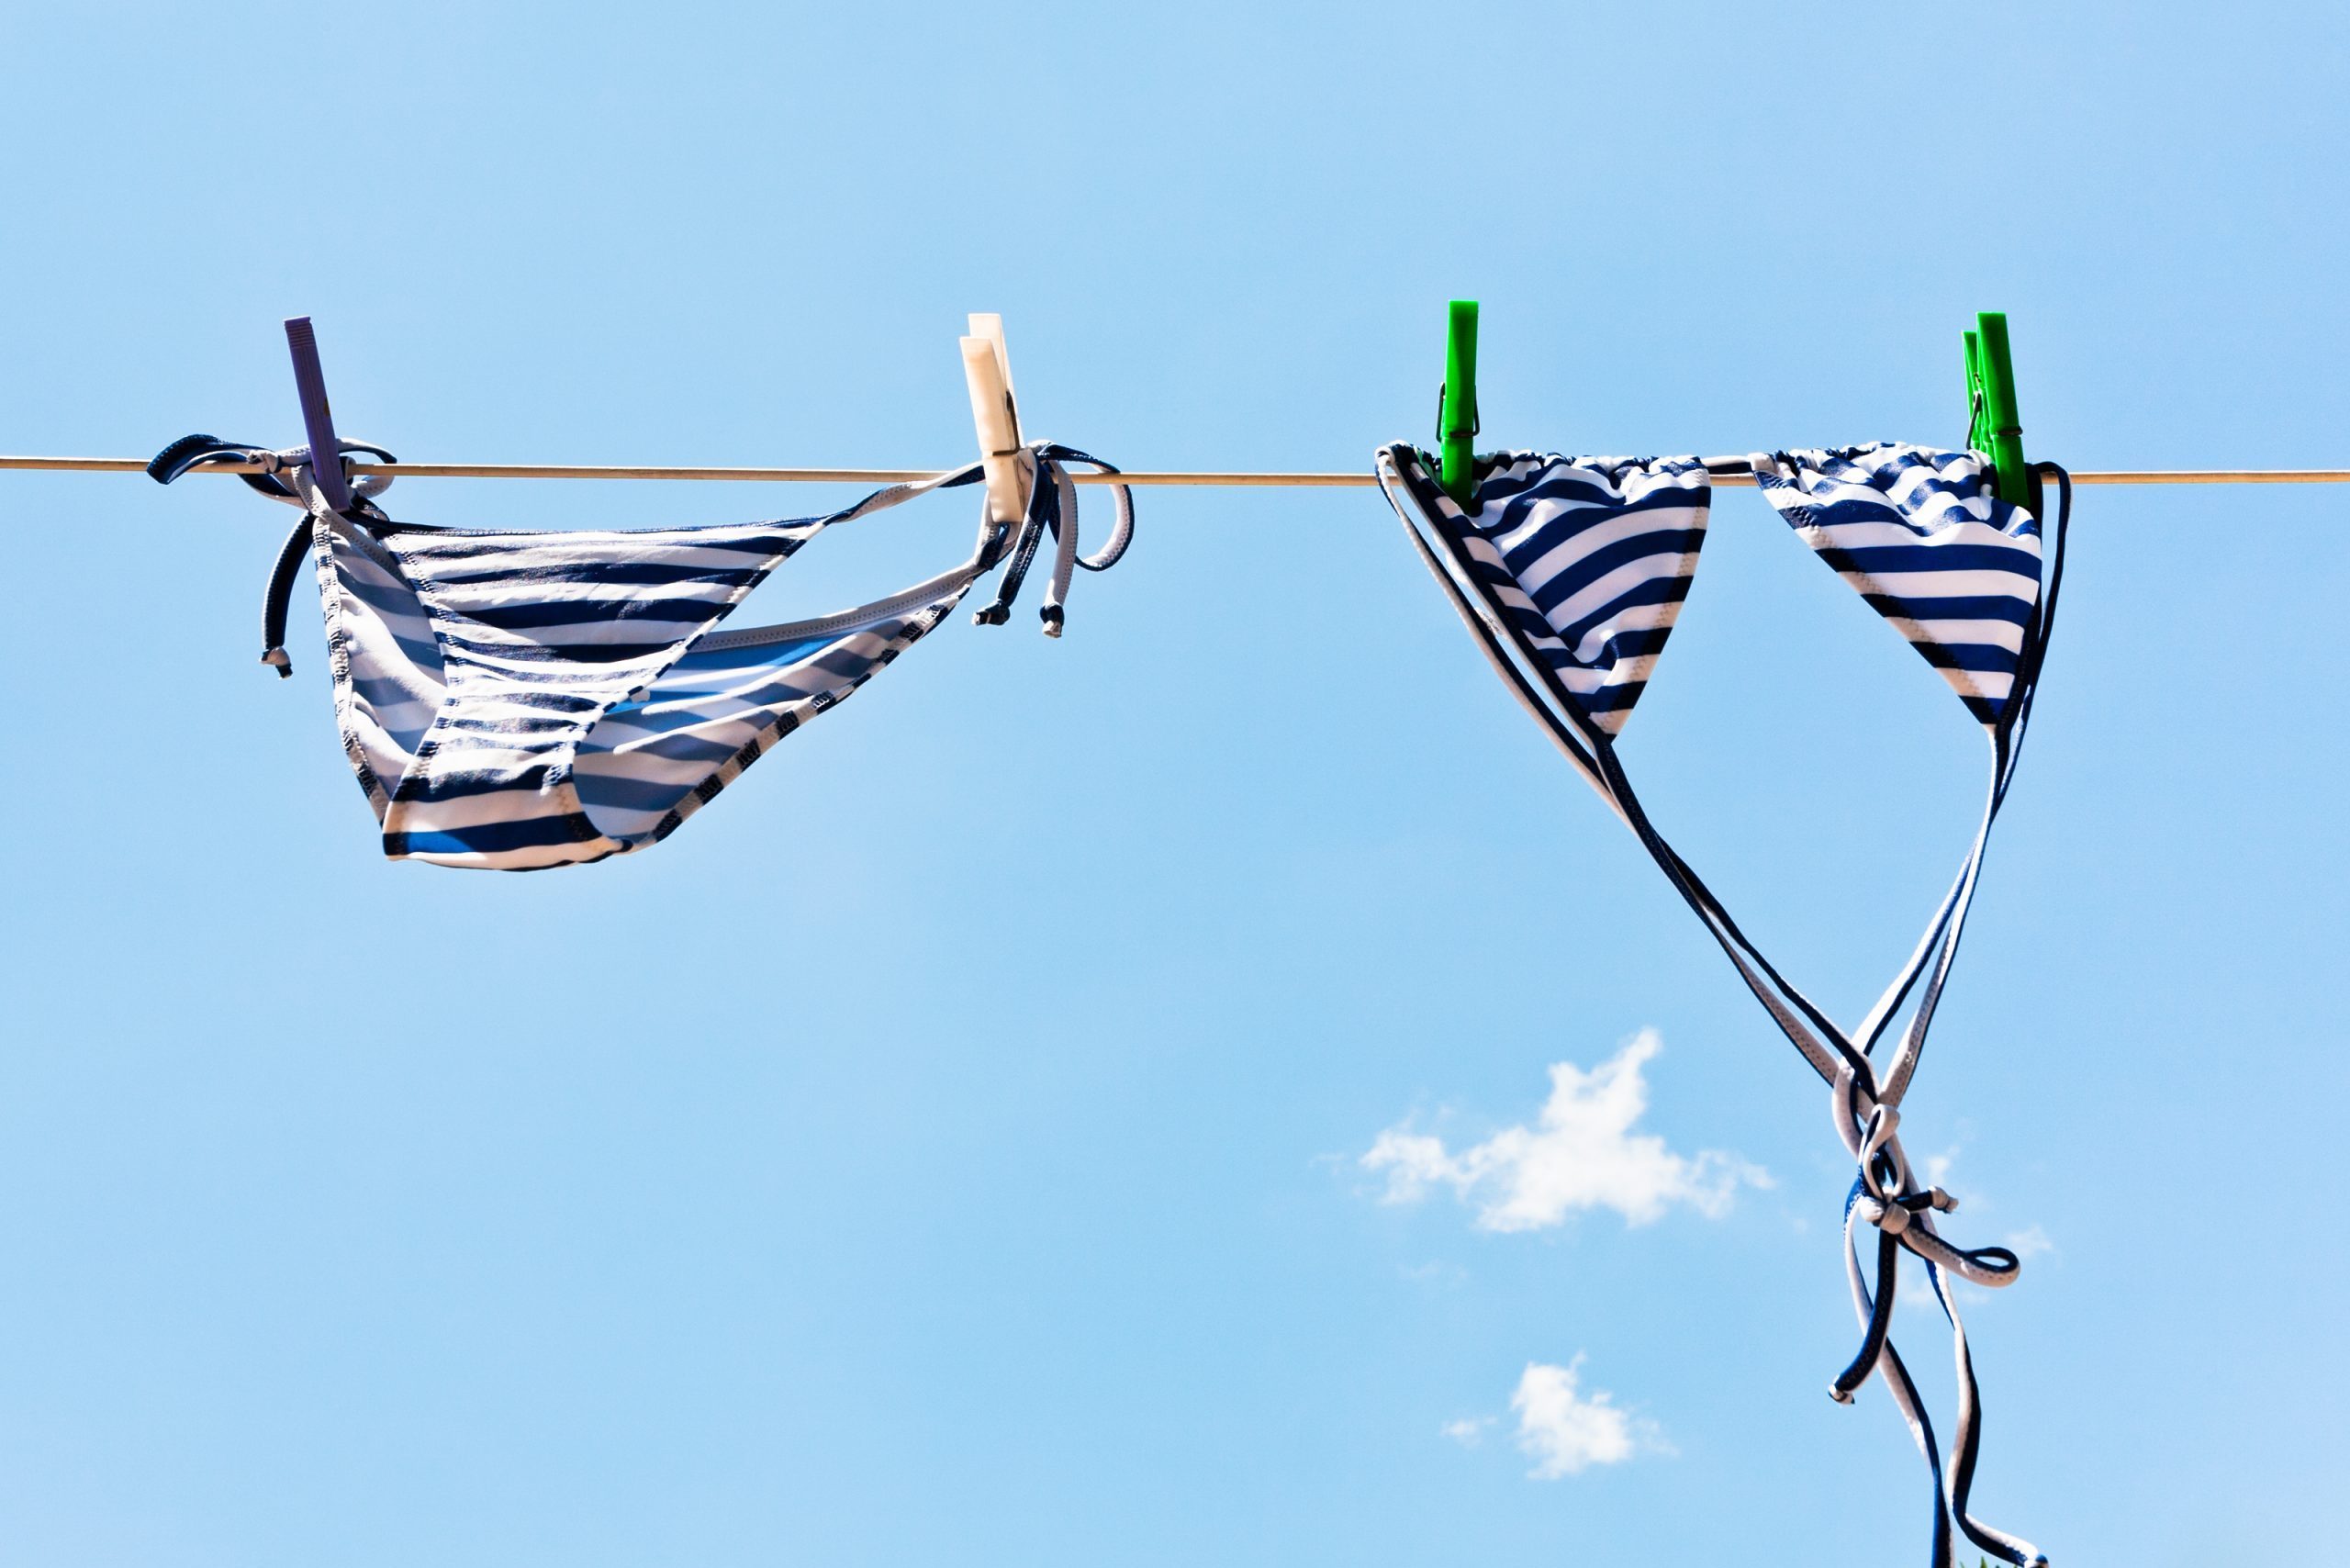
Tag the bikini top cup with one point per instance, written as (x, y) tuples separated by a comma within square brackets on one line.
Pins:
[(1571, 572), (519, 701)]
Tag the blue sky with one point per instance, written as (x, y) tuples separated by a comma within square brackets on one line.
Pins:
[(951, 1146)]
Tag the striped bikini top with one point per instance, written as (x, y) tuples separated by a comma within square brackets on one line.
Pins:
[(1571, 572), (517, 700)]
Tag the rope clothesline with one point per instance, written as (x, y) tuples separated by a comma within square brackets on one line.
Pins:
[(1726, 471)]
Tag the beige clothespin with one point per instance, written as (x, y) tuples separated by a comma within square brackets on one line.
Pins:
[(987, 370)]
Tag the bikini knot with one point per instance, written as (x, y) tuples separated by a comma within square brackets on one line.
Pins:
[(1052, 511), (1889, 1217), (1892, 1215)]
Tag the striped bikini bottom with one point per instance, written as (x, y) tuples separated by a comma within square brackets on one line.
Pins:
[(518, 700)]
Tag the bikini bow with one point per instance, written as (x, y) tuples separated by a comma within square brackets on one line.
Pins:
[(1052, 506)]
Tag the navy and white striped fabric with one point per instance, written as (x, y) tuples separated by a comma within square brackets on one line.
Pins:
[(1960, 575), (1925, 540), (518, 700), (1586, 561)]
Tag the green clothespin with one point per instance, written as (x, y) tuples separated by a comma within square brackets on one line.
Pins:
[(1978, 435), (1456, 419), (1996, 429)]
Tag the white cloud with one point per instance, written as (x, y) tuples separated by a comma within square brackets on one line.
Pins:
[(1582, 1155), (1469, 1431), (1564, 1431)]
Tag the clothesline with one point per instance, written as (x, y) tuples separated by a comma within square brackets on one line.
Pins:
[(1726, 471)]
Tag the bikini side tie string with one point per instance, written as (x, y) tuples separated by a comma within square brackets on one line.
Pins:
[(1052, 506), (192, 451)]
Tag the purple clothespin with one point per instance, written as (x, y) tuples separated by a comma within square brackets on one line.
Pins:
[(317, 419)]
